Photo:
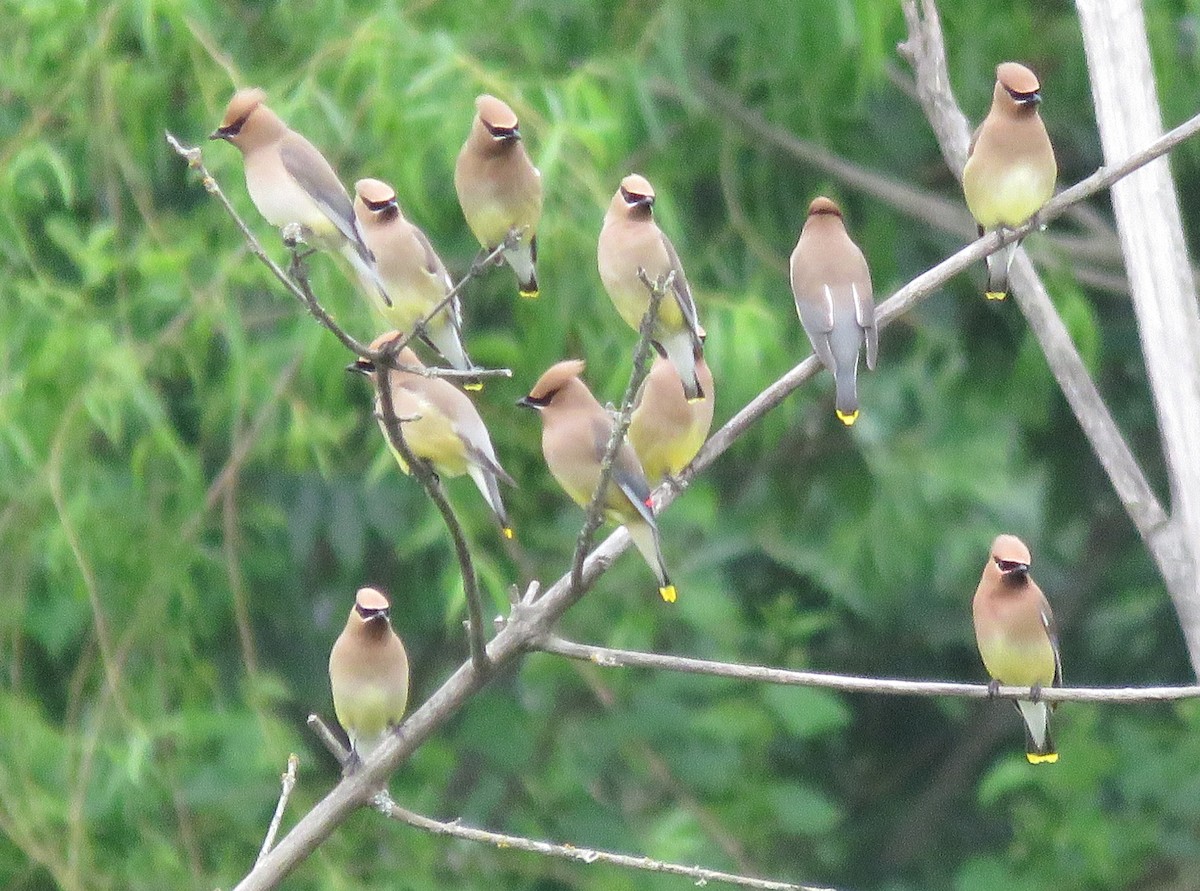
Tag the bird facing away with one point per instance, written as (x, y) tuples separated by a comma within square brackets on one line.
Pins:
[(414, 276), (575, 434), (630, 240), (1018, 638), (368, 671), (665, 429), (441, 425), (1010, 170), (499, 188), (290, 182), (832, 287)]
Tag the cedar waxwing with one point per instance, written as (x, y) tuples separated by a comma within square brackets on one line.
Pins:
[(441, 425), (665, 429), (575, 433), (1018, 638), (368, 671), (832, 287), (1010, 170), (500, 189), (414, 276), (291, 182), (630, 241)]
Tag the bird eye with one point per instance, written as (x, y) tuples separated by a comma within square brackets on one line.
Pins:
[(1007, 566), (380, 206), (502, 133), (236, 127), (634, 198)]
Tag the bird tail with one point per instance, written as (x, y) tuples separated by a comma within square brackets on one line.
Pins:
[(645, 538), (1039, 744), (523, 260), (363, 262), (486, 482), (998, 265), (445, 337), (679, 348), (845, 381)]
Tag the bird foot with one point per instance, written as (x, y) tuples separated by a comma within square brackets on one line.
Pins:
[(993, 688), (1035, 693)]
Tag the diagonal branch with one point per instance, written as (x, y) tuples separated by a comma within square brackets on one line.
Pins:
[(295, 280), (926, 49), (384, 803), (595, 510), (424, 473), (531, 620), (1162, 284), (607, 657)]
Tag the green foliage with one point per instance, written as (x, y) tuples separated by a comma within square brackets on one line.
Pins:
[(191, 489)]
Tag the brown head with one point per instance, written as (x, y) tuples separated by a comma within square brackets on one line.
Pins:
[(371, 612), (375, 201), (635, 198), (247, 120), (1017, 88), (560, 383), (495, 128), (1009, 561), (823, 213)]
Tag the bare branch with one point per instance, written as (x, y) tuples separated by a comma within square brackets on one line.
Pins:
[(926, 49), (385, 805), (1160, 275), (288, 782), (298, 285), (595, 509), (424, 473), (532, 619), (611, 658)]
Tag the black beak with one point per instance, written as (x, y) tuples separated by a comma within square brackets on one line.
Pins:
[(526, 402), (1028, 99), (218, 134)]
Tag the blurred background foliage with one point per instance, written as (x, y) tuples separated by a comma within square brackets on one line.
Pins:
[(191, 489)]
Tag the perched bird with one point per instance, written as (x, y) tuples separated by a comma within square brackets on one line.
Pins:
[(1018, 638), (832, 287), (1010, 170), (368, 671), (290, 182), (665, 429), (414, 275), (499, 188), (441, 425), (575, 434), (630, 241)]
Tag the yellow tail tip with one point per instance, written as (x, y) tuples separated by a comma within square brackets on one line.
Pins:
[(692, 400), (667, 592), (529, 295), (1035, 758), (848, 417), (473, 386), (508, 533), (995, 295)]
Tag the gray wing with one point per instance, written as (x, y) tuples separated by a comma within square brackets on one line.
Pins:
[(312, 172), (683, 291)]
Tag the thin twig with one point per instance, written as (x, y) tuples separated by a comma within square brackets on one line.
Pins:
[(531, 620), (926, 50), (613, 658), (297, 282), (698, 874), (424, 473), (594, 515), (385, 805), (288, 782)]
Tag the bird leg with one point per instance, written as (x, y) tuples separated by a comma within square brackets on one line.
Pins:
[(1035, 692), (993, 688)]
